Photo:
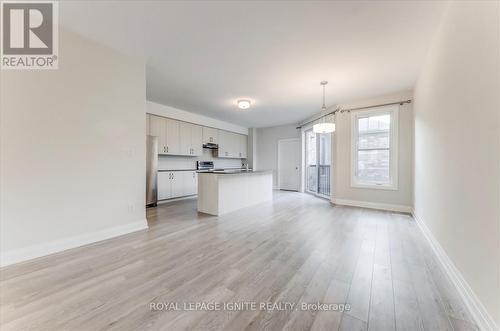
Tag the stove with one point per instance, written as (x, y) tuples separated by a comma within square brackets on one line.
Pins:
[(205, 165)]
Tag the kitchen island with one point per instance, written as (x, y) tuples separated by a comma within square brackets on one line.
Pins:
[(220, 192)]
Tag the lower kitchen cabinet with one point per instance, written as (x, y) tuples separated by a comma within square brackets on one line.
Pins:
[(190, 182), (164, 186), (175, 184)]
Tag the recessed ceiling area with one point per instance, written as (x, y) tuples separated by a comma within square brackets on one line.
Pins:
[(204, 56)]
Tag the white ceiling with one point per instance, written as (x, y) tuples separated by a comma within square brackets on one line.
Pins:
[(202, 56)]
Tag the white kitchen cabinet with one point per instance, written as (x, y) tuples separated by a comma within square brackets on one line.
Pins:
[(175, 184), (157, 127), (232, 145), (190, 140), (197, 139), (167, 131), (164, 187), (172, 137), (210, 135), (225, 144), (190, 182), (242, 146), (185, 138)]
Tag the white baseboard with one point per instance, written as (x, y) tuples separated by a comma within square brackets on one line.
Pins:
[(373, 205), (478, 311), (159, 202), (32, 252)]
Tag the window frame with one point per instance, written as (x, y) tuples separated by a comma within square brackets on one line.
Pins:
[(393, 111)]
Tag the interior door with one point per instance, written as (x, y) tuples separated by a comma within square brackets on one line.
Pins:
[(288, 164)]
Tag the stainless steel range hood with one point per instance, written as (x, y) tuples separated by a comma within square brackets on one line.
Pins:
[(210, 146)]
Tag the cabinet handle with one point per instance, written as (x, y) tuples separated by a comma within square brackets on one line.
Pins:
[(164, 149), (167, 149)]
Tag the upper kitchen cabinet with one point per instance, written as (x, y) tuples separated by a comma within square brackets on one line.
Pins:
[(225, 144), (232, 145), (172, 137), (210, 135), (167, 131), (157, 127), (242, 146), (190, 139), (197, 139), (183, 138)]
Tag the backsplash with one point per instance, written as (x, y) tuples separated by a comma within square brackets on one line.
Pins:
[(168, 162)]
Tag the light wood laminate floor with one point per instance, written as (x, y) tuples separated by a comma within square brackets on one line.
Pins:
[(296, 248)]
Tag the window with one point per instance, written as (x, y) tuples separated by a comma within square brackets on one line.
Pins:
[(374, 148)]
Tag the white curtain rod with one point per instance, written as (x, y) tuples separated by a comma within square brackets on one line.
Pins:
[(348, 110)]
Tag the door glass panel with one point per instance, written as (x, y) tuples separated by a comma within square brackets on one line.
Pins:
[(311, 162), (325, 150), (318, 162)]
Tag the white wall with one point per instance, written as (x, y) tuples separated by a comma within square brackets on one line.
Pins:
[(72, 151), (182, 115), (267, 147), (400, 199), (457, 149)]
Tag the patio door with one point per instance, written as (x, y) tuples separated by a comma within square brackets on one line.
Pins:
[(318, 162)]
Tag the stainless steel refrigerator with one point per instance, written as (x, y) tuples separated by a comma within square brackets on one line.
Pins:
[(151, 170)]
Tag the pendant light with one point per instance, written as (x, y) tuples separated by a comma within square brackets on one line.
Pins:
[(324, 126)]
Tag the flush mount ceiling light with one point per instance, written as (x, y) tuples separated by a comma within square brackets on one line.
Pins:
[(243, 104), (324, 126)]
